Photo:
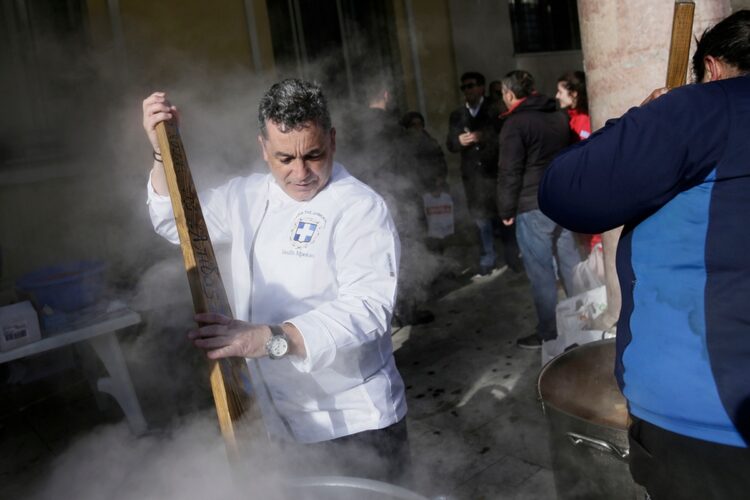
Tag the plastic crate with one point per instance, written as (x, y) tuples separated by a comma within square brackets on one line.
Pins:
[(65, 287)]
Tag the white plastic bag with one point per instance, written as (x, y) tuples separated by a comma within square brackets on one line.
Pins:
[(589, 274), (439, 213), (573, 316)]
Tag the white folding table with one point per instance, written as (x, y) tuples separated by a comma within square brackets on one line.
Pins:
[(101, 335)]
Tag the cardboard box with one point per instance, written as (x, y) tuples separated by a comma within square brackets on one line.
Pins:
[(19, 325)]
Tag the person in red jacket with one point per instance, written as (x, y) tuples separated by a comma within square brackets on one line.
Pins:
[(571, 96)]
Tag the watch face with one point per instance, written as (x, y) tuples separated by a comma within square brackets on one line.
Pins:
[(277, 346)]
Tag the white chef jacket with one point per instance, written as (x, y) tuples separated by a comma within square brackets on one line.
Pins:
[(329, 266)]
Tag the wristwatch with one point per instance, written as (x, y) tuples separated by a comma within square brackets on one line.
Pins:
[(278, 345)]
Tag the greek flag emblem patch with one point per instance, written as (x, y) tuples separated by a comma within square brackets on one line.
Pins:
[(305, 231), (306, 228)]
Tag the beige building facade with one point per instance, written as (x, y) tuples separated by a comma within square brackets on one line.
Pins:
[(73, 160)]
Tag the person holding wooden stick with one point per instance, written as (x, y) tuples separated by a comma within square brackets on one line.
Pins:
[(314, 267), (676, 173)]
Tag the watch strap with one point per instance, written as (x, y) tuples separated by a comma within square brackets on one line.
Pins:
[(277, 331)]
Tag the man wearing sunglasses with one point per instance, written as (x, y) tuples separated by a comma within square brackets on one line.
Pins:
[(472, 131)]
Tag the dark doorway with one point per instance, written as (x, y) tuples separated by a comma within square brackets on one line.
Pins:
[(340, 43)]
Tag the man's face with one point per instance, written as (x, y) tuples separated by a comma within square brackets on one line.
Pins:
[(300, 160), (472, 90)]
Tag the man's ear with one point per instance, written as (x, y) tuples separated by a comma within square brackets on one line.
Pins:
[(712, 69), (333, 139), (263, 147)]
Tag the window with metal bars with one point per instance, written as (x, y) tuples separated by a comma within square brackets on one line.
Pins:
[(544, 25)]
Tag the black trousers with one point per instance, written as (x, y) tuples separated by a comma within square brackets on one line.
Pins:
[(675, 467), (382, 455)]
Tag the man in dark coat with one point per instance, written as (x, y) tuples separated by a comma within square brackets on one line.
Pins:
[(472, 131), (533, 133), (427, 158), (373, 149), (384, 159)]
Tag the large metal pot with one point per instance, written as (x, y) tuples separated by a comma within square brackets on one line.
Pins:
[(588, 417), (347, 488)]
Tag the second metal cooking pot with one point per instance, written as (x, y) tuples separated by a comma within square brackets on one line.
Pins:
[(588, 416), (346, 488)]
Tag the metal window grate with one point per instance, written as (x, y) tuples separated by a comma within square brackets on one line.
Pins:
[(544, 25)]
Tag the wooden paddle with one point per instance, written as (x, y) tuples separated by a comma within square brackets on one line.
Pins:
[(206, 287), (679, 47)]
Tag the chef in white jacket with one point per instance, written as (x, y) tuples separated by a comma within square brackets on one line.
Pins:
[(314, 264)]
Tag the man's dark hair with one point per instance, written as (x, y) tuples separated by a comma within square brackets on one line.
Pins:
[(409, 117), (729, 40), (473, 75), (520, 82), (291, 104), (575, 81)]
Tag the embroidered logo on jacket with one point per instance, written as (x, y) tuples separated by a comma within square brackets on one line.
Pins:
[(305, 232), (306, 228)]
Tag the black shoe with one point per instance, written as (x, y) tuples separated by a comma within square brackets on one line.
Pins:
[(515, 263), (529, 342), (516, 266), (485, 270)]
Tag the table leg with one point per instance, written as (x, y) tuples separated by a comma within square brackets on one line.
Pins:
[(90, 367), (118, 384)]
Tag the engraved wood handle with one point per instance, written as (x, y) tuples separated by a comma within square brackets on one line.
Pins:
[(679, 47), (206, 286)]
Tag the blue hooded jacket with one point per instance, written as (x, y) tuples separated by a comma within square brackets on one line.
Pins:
[(676, 174)]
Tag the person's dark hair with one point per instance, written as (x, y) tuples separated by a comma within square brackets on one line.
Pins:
[(292, 103), (520, 82), (473, 75), (575, 81), (409, 117), (729, 40)]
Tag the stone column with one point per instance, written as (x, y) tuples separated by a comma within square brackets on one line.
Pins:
[(625, 51), (626, 46)]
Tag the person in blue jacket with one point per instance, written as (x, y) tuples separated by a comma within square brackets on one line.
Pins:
[(676, 173)]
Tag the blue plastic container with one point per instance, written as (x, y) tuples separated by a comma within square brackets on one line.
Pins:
[(65, 287)]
